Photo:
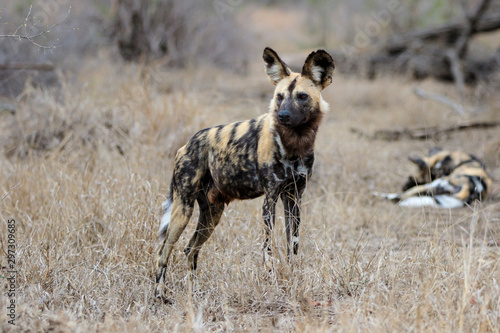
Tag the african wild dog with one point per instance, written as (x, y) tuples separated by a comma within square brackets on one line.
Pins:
[(445, 179), (271, 155)]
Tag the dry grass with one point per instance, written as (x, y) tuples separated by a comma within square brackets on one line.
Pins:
[(93, 162)]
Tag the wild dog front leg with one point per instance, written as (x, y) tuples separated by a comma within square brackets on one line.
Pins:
[(268, 214), (291, 203), (291, 197)]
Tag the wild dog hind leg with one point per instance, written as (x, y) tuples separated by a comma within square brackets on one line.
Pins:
[(180, 214), (210, 215), (268, 214)]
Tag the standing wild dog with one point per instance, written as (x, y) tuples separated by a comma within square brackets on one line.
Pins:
[(271, 155), (445, 179)]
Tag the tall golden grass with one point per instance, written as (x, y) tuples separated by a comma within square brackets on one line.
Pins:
[(88, 165)]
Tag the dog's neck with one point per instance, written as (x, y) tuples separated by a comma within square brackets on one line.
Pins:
[(299, 141)]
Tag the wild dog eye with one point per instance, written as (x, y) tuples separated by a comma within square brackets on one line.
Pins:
[(302, 96), (279, 97)]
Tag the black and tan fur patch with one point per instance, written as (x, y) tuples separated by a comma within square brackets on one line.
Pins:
[(271, 155), (445, 179)]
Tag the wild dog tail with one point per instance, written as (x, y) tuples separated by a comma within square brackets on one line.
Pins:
[(166, 212)]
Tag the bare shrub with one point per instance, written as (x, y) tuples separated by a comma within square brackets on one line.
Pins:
[(52, 33), (181, 31)]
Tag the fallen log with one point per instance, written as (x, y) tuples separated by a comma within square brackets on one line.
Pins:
[(423, 133), (27, 66), (441, 52), (448, 33)]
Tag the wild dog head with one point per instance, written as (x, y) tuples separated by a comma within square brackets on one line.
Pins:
[(297, 101), (439, 163)]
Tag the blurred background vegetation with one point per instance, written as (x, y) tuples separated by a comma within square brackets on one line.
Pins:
[(96, 97), (223, 33)]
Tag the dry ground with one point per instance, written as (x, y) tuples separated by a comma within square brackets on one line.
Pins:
[(88, 165)]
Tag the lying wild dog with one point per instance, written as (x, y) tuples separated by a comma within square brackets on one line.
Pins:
[(271, 155), (444, 179)]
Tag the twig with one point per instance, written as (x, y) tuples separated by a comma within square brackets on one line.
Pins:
[(31, 38), (457, 107), (12, 189)]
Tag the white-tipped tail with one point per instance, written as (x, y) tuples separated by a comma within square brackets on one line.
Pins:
[(166, 209), (388, 196)]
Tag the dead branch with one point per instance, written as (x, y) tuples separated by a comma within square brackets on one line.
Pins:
[(457, 107), (448, 32), (441, 52), (472, 20), (456, 55), (423, 133)]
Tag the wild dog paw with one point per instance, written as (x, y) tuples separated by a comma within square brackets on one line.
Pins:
[(160, 295), (192, 283), (270, 262)]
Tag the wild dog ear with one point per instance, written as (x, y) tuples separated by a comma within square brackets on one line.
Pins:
[(276, 69), (319, 67), (419, 162)]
